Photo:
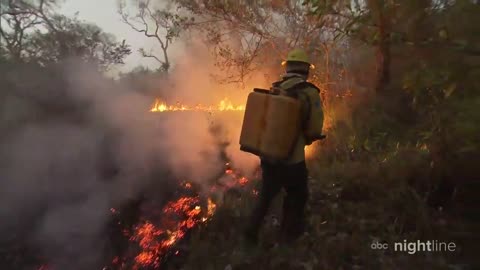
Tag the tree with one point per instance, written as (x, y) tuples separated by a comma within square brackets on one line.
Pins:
[(367, 21), (388, 25), (73, 38), (161, 25), (251, 36), (17, 19), (34, 32)]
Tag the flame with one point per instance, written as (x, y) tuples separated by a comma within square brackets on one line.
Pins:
[(224, 105), (155, 242), (153, 239), (211, 207), (243, 181), (178, 216)]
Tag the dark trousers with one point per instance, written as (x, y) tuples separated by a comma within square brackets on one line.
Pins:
[(293, 178)]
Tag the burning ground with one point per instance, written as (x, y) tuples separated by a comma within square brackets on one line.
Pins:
[(100, 177), (92, 179), (159, 233)]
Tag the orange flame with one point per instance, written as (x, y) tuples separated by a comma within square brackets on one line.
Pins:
[(178, 217), (211, 207), (224, 105), (155, 242)]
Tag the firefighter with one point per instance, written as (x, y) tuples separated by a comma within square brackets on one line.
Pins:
[(290, 174)]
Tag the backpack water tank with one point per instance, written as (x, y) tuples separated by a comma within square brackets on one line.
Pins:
[(271, 125)]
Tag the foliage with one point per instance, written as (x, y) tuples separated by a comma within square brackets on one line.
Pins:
[(77, 39), (249, 38), (400, 88), (167, 26), (34, 32), (399, 162)]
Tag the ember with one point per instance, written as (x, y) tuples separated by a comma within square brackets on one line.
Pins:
[(155, 242), (243, 181), (157, 239)]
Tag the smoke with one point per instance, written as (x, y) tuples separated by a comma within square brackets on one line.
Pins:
[(74, 143), (73, 148), (191, 83)]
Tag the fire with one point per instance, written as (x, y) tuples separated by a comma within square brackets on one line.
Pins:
[(211, 207), (155, 242), (223, 105), (156, 239), (243, 181)]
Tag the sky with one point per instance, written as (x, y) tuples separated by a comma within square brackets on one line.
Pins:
[(104, 14)]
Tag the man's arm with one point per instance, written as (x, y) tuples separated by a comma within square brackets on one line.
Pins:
[(315, 116)]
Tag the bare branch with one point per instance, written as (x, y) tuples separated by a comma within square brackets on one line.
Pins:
[(150, 55), (157, 24)]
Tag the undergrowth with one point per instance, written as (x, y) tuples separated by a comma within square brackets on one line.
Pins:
[(371, 181)]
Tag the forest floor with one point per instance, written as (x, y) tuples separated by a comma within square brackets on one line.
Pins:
[(345, 218)]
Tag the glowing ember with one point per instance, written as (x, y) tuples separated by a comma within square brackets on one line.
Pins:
[(156, 239), (155, 242), (237, 179), (224, 105), (211, 207), (243, 181)]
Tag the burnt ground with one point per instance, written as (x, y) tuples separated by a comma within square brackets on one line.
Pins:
[(344, 218)]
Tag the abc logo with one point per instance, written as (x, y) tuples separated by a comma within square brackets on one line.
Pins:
[(377, 245)]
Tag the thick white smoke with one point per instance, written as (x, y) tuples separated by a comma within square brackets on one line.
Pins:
[(71, 150), (54, 188)]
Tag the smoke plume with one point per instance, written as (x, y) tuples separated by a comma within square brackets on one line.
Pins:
[(73, 144)]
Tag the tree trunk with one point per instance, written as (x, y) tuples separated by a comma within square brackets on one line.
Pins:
[(383, 61), (383, 46)]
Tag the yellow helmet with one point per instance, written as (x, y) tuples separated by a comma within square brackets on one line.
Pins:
[(298, 55)]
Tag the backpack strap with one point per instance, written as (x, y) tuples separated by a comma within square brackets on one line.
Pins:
[(276, 86), (300, 85), (293, 92)]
